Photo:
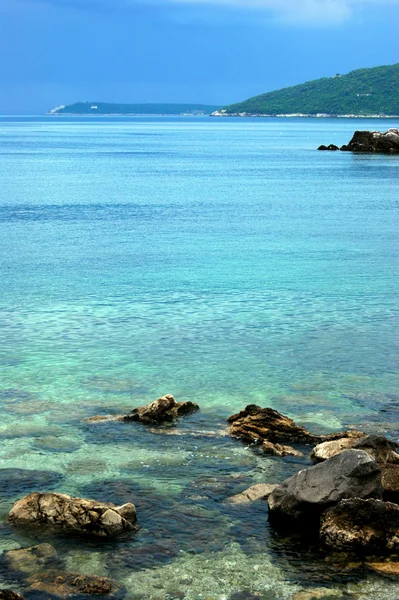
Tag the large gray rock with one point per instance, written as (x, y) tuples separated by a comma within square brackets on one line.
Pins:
[(363, 526), (350, 474), (60, 512)]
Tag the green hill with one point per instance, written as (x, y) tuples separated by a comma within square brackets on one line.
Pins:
[(363, 92), (105, 108)]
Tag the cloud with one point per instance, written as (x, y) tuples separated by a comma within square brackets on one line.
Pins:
[(296, 12)]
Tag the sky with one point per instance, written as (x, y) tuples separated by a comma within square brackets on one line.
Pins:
[(217, 52)]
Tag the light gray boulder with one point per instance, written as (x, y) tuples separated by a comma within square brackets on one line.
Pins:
[(305, 495), (60, 512)]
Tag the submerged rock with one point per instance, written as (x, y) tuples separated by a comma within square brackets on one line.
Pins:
[(379, 448), (259, 491), (374, 141), (31, 560), (389, 568), (163, 410), (60, 512), (365, 526), (14, 482), (63, 584), (279, 449), (350, 474)]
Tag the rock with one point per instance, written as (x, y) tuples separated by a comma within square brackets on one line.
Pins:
[(31, 560), (374, 141), (350, 474), (259, 491), (389, 569), (9, 595), (63, 584), (390, 481), (259, 425), (60, 512), (330, 147), (256, 424), (363, 526), (379, 448), (279, 450), (163, 410)]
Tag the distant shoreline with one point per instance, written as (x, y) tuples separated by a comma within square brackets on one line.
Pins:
[(233, 115), (302, 116)]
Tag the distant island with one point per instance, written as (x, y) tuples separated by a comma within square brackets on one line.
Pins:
[(362, 93), (107, 108)]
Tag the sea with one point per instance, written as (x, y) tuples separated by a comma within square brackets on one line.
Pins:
[(227, 262)]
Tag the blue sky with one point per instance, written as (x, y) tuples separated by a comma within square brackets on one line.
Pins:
[(211, 51)]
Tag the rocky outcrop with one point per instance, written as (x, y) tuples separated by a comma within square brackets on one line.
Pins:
[(259, 491), (60, 512), (305, 495), (63, 584), (389, 568), (163, 410), (330, 147), (363, 526), (390, 481), (10, 595), (379, 448), (271, 430), (256, 424), (370, 141), (374, 141)]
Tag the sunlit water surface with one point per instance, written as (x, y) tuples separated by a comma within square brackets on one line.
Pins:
[(226, 262)]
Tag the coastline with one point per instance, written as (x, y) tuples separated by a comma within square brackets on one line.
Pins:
[(303, 115)]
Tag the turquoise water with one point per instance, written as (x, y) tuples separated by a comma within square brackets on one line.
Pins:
[(225, 261)]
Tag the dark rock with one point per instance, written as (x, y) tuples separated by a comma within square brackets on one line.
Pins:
[(363, 526), (390, 482), (256, 424), (332, 147), (63, 584), (60, 512), (163, 410), (351, 474), (270, 428), (9, 595), (374, 142)]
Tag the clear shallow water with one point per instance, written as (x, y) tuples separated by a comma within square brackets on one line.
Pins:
[(224, 261)]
